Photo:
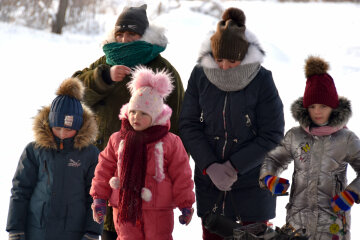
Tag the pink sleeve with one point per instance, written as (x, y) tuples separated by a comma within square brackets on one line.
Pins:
[(104, 171), (180, 173)]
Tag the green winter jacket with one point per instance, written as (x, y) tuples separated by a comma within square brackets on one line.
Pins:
[(106, 98)]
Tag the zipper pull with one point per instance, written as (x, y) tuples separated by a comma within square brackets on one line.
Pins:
[(248, 120), (61, 145), (202, 116)]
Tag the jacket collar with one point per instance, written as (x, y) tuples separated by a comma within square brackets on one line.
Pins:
[(45, 138), (338, 118)]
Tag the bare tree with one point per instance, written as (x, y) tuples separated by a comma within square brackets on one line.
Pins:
[(59, 22)]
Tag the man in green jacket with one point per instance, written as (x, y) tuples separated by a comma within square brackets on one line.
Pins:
[(133, 42)]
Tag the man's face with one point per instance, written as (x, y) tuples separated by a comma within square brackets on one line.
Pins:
[(125, 37)]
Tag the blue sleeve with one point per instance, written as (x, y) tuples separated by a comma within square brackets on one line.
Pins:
[(191, 128), (24, 181)]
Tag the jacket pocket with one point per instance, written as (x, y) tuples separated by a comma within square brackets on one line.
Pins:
[(36, 214)]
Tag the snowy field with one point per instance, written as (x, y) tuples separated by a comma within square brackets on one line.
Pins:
[(33, 63)]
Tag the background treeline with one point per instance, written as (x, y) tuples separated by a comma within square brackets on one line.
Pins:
[(88, 16)]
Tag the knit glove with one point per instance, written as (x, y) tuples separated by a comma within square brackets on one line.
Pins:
[(186, 216), (344, 200), (99, 210), (276, 185), (223, 175), (16, 235)]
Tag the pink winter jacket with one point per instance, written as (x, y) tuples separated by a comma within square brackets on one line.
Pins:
[(168, 181)]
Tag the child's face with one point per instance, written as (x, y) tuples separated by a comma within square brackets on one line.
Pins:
[(139, 120), (319, 113), (63, 133)]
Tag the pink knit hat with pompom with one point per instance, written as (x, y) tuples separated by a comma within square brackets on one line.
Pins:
[(148, 91)]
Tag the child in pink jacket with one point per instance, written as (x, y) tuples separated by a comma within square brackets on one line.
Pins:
[(144, 170)]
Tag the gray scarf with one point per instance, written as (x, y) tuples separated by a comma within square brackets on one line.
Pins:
[(233, 79)]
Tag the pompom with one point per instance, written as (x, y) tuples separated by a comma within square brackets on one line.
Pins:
[(235, 14), (160, 81), (71, 87), (114, 183), (146, 194), (315, 66)]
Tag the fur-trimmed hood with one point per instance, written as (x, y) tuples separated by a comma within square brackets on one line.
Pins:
[(338, 118), (153, 34), (255, 53), (45, 138)]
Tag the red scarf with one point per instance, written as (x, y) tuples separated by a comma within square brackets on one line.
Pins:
[(133, 168)]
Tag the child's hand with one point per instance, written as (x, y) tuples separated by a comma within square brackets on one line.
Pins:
[(99, 210), (276, 185), (344, 200), (186, 216)]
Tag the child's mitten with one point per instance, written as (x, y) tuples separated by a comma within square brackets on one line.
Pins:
[(90, 236), (344, 200), (16, 235), (99, 210), (186, 216), (276, 185)]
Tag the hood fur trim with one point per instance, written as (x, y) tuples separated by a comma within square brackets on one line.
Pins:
[(84, 137), (153, 34), (255, 53), (338, 118)]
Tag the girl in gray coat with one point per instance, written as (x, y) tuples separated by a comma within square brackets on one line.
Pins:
[(321, 148)]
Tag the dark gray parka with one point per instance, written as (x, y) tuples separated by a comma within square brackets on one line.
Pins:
[(320, 164), (50, 194), (239, 125)]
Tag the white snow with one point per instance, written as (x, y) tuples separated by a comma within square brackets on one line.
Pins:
[(33, 63)]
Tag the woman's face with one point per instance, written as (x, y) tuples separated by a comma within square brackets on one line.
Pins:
[(319, 113), (226, 64), (125, 37)]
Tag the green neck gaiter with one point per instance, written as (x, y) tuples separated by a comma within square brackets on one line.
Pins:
[(132, 53)]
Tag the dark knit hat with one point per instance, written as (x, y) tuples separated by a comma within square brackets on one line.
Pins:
[(320, 87), (133, 19), (229, 40), (66, 110)]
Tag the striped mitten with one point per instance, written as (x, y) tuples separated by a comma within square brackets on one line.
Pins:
[(276, 185), (344, 200)]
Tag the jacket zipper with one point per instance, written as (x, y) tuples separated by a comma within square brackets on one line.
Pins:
[(47, 172), (224, 120)]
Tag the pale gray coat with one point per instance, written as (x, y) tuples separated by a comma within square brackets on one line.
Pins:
[(320, 164)]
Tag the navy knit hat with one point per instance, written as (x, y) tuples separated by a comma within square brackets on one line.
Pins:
[(66, 110), (133, 19)]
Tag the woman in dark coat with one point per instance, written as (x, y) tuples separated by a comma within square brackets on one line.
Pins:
[(232, 116)]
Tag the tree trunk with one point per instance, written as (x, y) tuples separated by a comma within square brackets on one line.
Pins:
[(59, 21)]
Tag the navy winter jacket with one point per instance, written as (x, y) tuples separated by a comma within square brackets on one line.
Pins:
[(50, 195)]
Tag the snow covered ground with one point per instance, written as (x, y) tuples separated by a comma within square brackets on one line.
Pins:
[(33, 63)]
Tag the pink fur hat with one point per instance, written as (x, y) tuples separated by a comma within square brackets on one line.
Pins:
[(148, 91)]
